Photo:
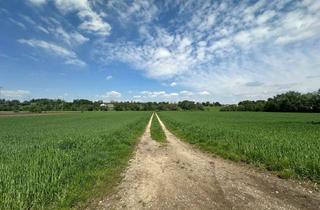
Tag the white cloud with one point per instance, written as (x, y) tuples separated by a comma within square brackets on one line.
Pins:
[(69, 56), (37, 25), (156, 62), (157, 94), (312, 5), (63, 52), (230, 49), (75, 61), (43, 29), (221, 47), (17, 23), (71, 38), (186, 93), (137, 11), (37, 2), (15, 94), (162, 95), (272, 77), (204, 93), (162, 53), (72, 5), (173, 84), (266, 16), (109, 77), (92, 22), (28, 19), (242, 38), (111, 95), (173, 94), (297, 25)]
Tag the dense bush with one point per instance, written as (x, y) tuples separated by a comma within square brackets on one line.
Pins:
[(190, 105)]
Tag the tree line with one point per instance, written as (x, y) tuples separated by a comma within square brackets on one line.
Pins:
[(163, 106), (287, 102), (40, 105)]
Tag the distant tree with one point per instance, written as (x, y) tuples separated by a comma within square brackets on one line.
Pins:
[(246, 106), (186, 105), (259, 105), (229, 108), (35, 108), (287, 102), (206, 103)]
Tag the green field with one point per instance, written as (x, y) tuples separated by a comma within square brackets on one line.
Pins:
[(62, 160), (58, 161), (156, 131), (285, 142)]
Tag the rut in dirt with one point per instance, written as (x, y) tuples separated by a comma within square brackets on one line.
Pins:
[(177, 176)]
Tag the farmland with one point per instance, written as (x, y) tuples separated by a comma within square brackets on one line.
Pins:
[(288, 143), (57, 161), (64, 160)]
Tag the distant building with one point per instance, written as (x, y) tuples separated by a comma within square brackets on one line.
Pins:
[(107, 106), (110, 106)]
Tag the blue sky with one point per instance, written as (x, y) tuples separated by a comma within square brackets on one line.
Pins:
[(148, 50)]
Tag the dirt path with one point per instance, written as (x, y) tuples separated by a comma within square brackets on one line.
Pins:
[(177, 176)]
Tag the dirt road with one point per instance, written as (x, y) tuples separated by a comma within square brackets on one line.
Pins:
[(177, 176)]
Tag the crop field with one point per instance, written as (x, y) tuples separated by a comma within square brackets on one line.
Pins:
[(288, 143), (58, 161), (156, 131)]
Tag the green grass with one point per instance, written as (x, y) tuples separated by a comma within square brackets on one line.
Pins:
[(156, 131), (285, 142), (60, 161)]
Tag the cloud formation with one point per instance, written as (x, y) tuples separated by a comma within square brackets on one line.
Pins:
[(109, 77), (162, 95), (69, 56), (173, 84), (37, 2), (226, 50), (15, 94), (111, 95), (73, 38), (235, 50), (92, 22)]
